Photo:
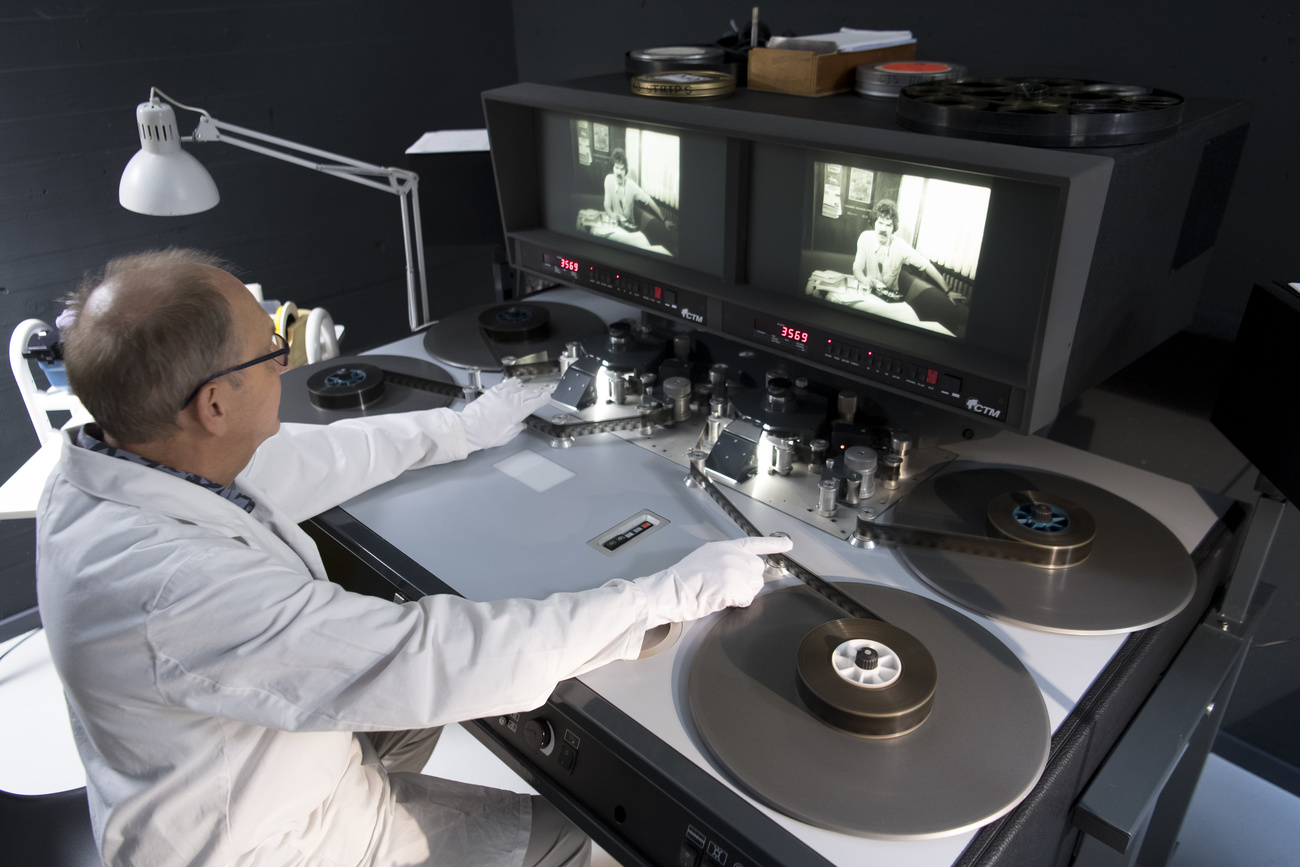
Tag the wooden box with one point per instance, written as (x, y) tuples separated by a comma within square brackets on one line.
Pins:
[(807, 74)]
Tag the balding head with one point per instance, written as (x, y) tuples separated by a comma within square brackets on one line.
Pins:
[(146, 331)]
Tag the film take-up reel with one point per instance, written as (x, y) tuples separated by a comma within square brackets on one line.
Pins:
[(1039, 550), (355, 386), (864, 709)]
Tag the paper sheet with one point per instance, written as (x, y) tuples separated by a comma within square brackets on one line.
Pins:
[(447, 141)]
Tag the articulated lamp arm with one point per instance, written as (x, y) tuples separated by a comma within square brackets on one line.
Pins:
[(400, 182)]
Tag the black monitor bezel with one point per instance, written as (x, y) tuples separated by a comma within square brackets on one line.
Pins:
[(1034, 378)]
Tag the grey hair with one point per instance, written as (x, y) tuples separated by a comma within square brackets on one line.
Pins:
[(134, 365)]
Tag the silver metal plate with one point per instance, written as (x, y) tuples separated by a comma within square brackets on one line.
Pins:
[(458, 341), (1137, 575), (978, 754)]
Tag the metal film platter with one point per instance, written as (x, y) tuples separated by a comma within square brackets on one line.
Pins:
[(1045, 112), (981, 749), (352, 387), (529, 331), (1136, 574)]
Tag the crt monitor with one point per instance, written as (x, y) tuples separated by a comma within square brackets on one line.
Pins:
[(977, 277), (624, 186), (901, 229)]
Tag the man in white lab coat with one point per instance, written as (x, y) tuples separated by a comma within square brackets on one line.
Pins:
[(225, 696)]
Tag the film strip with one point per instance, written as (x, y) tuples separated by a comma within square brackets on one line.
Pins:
[(648, 419), (529, 370), (1024, 526), (814, 582), (406, 380)]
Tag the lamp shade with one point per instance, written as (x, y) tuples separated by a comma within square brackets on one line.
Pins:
[(162, 179)]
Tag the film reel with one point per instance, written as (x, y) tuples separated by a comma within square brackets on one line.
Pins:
[(980, 750), (354, 386), (1136, 572), (866, 677), (1047, 112), (346, 386)]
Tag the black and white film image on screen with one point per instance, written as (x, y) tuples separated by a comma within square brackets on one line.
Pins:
[(901, 247), (627, 184)]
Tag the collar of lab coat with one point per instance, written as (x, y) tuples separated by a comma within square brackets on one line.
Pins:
[(151, 490)]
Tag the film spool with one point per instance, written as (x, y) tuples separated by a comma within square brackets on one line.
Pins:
[(298, 404), (978, 753), (1136, 574), (684, 84), (1048, 522), (888, 78), (346, 386), (889, 699), (515, 323)]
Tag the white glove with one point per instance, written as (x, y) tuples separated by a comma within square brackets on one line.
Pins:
[(497, 415), (712, 577)]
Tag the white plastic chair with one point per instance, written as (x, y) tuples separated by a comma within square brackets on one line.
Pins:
[(40, 402)]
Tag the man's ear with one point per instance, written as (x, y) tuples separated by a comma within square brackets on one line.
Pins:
[(208, 411)]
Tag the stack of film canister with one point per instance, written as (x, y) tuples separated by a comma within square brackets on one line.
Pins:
[(888, 78), (685, 84), (681, 72)]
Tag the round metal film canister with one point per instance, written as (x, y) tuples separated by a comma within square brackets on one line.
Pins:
[(887, 79), (684, 84)]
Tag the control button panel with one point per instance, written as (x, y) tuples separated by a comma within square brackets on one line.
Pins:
[(568, 758), (665, 299), (611, 791), (625, 532), (976, 395)]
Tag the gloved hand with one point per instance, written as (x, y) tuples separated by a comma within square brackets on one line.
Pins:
[(712, 577), (497, 415)]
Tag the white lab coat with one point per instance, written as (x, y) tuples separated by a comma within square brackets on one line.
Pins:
[(215, 679)]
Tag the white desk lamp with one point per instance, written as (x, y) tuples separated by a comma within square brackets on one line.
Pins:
[(164, 180)]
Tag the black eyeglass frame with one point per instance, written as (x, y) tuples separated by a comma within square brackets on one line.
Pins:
[(279, 356)]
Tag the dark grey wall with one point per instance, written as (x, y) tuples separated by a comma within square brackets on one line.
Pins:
[(363, 78), (1247, 51)]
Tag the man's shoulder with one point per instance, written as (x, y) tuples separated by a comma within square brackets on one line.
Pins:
[(95, 495), (71, 512)]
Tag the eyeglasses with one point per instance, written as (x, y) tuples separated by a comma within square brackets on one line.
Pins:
[(280, 356)]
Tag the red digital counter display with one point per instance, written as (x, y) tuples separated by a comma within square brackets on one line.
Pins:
[(793, 334), (780, 332), (561, 262)]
